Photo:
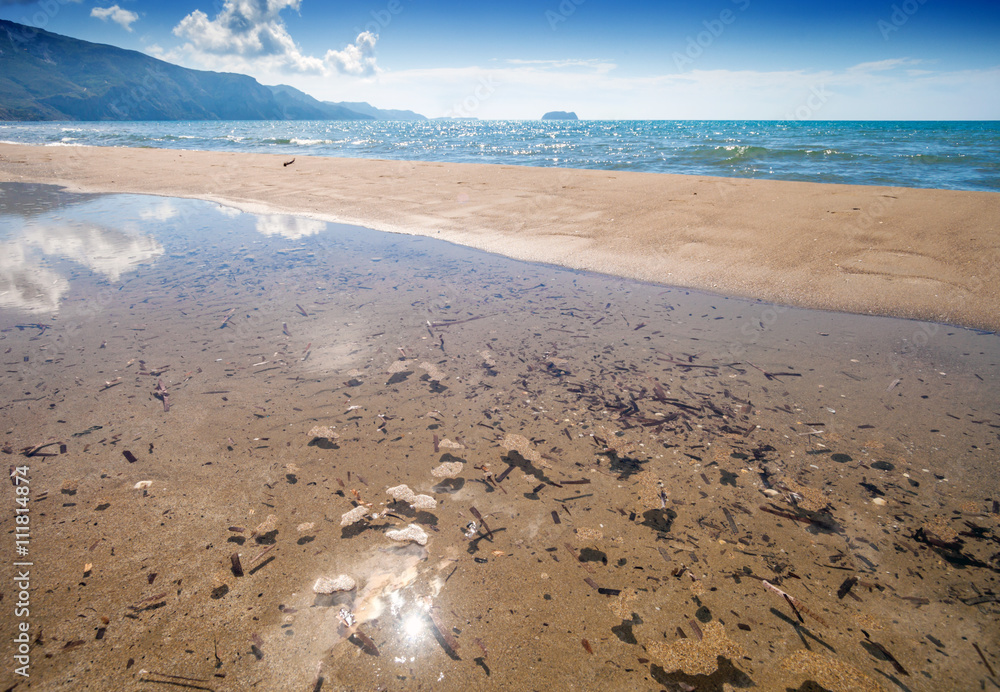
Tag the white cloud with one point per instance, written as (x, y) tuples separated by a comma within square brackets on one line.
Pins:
[(599, 66), (250, 36), (124, 18), (883, 65), (357, 58)]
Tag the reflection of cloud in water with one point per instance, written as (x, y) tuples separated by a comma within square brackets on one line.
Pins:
[(106, 251), (228, 211), (289, 226), (164, 211), (24, 284)]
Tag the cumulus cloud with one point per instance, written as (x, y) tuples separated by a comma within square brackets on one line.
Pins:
[(124, 18), (252, 32), (357, 58)]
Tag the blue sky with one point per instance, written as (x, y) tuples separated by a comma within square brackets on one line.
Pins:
[(724, 59)]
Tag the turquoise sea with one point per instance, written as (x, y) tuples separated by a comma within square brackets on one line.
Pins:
[(950, 155)]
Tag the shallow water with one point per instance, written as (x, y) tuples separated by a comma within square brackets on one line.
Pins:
[(663, 453), (954, 155)]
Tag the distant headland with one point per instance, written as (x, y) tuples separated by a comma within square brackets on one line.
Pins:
[(560, 115)]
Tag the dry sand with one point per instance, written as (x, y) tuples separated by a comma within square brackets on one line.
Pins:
[(917, 253)]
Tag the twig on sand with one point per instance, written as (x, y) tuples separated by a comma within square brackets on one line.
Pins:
[(795, 603)]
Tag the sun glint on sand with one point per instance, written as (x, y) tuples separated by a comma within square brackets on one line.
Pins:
[(917, 253)]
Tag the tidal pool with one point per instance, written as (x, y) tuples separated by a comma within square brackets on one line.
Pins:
[(634, 486)]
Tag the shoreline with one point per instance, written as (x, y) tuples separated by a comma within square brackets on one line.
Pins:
[(903, 252)]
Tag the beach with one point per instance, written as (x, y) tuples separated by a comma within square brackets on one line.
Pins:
[(915, 253), (518, 475)]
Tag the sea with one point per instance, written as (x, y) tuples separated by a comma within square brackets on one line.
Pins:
[(956, 155)]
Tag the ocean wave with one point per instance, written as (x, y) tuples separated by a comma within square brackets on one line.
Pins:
[(934, 159), (956, 155)]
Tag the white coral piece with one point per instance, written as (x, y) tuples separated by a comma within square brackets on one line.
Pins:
[(448, 469), (424, 502), (402, 493), (354, 516), (411, 533), (323, 431), (325, 585)]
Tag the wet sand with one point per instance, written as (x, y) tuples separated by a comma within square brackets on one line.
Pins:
[(642, 459), (915, 253)]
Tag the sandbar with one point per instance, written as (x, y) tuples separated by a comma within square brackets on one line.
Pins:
[(905, 252)]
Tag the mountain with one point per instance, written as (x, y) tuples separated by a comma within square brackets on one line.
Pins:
[(378, 113), (298, 105), (560, 115), (46, 76)]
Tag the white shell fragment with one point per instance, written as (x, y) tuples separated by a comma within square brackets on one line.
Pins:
[(323, 431), (402, 493), (411, 533), (142, 485), (448, 444), (354, 516), (879, 501), (340, 583), (424, 502), (306, 526), (346, 617), (448, 469)]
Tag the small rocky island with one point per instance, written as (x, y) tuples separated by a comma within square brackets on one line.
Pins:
[(560, 115)]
